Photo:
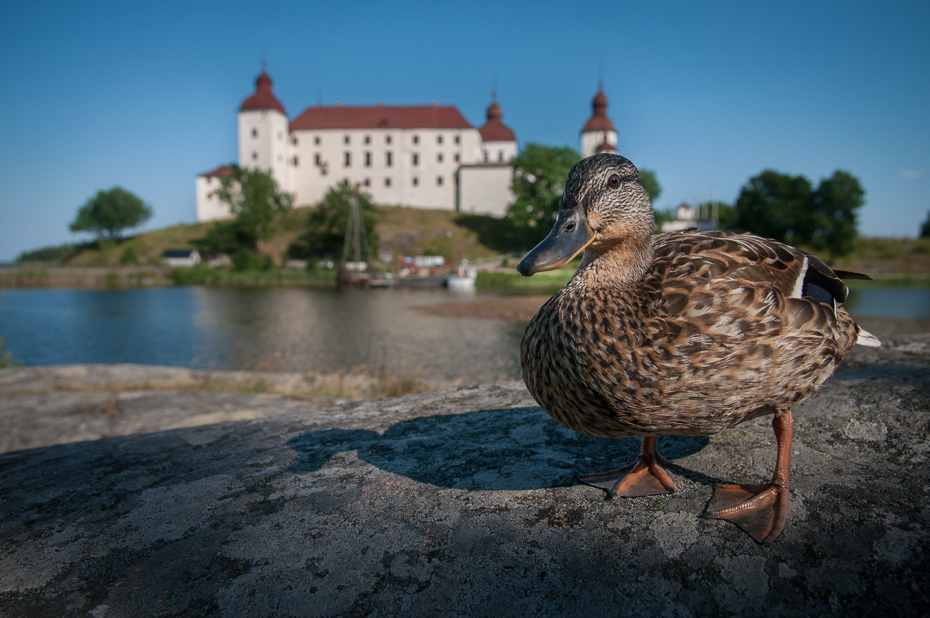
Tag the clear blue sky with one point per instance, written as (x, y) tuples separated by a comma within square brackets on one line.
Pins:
[(706, 94)]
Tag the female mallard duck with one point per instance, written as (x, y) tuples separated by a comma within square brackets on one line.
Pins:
[(685, 333)]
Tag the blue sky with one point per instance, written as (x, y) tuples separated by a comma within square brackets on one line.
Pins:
[(144, 95)]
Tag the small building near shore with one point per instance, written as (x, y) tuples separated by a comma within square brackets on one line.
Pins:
[(181, 257)]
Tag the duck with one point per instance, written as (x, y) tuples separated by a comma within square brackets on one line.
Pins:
[(684, 333)]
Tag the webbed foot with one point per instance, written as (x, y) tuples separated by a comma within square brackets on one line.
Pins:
[(760, 510), (645, 477)]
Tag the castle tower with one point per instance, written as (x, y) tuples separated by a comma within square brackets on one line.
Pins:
[(499, 141), (264, 133), (598, 130)]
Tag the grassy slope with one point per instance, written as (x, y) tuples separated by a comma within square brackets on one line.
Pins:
[(411, 231)]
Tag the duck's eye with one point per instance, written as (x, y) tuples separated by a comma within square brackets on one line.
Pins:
[(613, 182), (569, 228)]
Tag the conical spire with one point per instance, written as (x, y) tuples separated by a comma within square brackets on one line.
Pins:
[(263, 97), (599, 120), (494, 130)]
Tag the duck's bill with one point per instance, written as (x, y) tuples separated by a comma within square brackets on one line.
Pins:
[(569, 237)]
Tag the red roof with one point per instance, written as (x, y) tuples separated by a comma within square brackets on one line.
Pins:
[(599, 121), (223, 170), (381, 117), (263, 97), (494, 130)]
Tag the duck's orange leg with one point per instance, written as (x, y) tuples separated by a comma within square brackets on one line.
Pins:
[(644, 477), (760, 510)]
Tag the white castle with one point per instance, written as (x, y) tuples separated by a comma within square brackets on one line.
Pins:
[(424, 156)]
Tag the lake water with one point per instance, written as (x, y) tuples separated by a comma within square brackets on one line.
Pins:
[(299, 329), (273, 329)]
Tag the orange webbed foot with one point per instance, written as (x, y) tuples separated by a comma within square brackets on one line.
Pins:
[(645, 477), (760, 510)]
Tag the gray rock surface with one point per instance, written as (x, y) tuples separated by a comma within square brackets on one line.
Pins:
[(457, 502)]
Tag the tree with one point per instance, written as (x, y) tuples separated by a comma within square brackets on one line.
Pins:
[(776, 206), (539, 174), (110, 212), (835, 205), (786, 208), (925, 228), (727, 216), (253, 197), (651, 184), (328, 221)]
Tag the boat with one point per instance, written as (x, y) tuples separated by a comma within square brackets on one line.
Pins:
[(463, 278), (358, 273)]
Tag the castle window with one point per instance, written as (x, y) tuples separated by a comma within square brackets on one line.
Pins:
[(294, 139), (345, 139), (254, 156), (439, 181), (416, 139), (316, 159), (458, 139), (387, 139), (456, 157), (367, 139), (485, 156), (416, 181), (439, 139), (500, 156), (316, 140), (295, 161), (367, 159), (366, 182), (416, 159), (387, 159), (254, 132), (387, 182), (439, 158), (348, 159)]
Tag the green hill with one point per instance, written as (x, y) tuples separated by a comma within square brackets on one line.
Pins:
[(411, 231)]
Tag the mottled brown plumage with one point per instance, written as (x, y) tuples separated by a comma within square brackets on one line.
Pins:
[(685, 333)]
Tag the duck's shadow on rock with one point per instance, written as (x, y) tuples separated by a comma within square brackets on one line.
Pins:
[(519, 448)]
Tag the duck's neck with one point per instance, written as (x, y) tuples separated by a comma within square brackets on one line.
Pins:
[(622, 264)]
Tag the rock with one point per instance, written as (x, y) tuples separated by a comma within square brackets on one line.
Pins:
[(456, 502)]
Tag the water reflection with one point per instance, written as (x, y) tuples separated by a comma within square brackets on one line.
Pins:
[(276, 329)]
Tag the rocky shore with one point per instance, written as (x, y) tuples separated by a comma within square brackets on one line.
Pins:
[(129, 491)]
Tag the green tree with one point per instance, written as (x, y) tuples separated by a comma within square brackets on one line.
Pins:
[(777, 206), (254, 198), (651, 184), (539, 174), (925, 228), (108, 213), (727, 217), (328, 221), (835, 207)]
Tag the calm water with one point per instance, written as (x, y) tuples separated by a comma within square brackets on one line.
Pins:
[(274, 329), (296, 329)]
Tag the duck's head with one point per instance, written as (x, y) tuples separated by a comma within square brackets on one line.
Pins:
[(604, 207)]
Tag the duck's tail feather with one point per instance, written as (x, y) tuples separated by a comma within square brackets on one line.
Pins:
[(868, 339)]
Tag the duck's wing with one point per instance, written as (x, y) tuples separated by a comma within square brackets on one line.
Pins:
[(728, 259)]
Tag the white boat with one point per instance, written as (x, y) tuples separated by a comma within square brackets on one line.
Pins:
[(463, 279)]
